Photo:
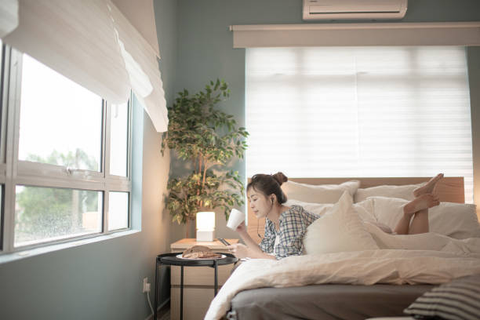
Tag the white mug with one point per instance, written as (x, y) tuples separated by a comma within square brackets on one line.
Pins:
[(236, 217)]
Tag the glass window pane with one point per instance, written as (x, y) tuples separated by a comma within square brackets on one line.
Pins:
[(47, 214), (1, 217), (118, 210), (60, 121), (118, 140), (2, 112)]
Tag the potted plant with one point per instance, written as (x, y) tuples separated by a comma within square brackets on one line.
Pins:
[(208, 139)]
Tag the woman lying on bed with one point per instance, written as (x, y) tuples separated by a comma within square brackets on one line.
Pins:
[(285, 226)]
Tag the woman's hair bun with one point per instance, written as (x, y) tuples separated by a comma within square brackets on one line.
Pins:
[(280, 177)]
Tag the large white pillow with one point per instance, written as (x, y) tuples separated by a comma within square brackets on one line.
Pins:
[(402, 192), (316, 208), (324, 193), (456, 220), (340, 230)]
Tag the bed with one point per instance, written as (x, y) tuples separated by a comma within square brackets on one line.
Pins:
[(378, 281)]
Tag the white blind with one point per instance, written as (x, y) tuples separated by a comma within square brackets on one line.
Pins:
[(92, 43), (359, 112)]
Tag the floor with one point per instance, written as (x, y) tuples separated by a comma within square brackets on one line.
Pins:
[(164, 313)]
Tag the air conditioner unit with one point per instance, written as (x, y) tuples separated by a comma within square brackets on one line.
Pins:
[(354, 9)]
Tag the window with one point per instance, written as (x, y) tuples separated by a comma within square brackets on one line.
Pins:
[(359, 112), (66, 173), (46, 214), (51, 104)]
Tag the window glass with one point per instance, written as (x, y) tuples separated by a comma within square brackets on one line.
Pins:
[(118, 140), (60, 121), (2, 141), (118, 210), (48, 214), (1, 216), (2, 111)]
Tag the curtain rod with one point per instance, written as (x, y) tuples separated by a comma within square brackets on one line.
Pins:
[(347, 26)]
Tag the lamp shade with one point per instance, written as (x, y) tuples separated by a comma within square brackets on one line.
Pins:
[(205, 226)]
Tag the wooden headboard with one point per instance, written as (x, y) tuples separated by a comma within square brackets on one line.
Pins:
[(449, 189)]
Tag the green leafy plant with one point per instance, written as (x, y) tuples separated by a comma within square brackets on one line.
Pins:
[(208, 139)]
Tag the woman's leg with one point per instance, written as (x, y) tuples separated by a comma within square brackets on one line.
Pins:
[(429, 187), (418, 208), (420, 222), (403, 224)]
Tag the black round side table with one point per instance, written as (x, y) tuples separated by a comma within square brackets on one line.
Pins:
[(171, 259)]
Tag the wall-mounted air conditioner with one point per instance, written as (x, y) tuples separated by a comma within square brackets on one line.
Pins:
[(354, 9)]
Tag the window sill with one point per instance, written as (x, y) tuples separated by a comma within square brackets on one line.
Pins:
[(14, 256)]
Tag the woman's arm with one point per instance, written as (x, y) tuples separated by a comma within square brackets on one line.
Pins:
[(242, 231), (251, 250), (242, 251)]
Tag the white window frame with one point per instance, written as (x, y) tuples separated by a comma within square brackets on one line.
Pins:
[(15, 172)]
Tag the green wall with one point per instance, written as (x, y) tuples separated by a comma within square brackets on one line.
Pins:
[(206, 51)]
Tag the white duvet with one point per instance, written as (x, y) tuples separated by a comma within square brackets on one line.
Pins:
[(392, 266), (342, 248)]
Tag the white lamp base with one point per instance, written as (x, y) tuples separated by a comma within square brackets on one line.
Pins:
[(205, 235)]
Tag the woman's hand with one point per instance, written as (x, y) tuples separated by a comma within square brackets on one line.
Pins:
[(239, 250), (242, 228)]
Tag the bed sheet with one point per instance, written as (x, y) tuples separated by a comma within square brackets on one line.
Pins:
[(325, 302)]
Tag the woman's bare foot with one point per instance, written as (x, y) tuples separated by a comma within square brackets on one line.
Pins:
[(428, 187), (425, 201)]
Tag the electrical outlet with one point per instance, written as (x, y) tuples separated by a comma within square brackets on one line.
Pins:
[(146, 285)]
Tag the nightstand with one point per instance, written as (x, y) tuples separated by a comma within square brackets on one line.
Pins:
[(198, 284)]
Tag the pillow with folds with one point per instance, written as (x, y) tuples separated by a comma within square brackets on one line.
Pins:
[(401, 192), (339, 230), (456, 220), (324, 193), (316, 208), (365, 211), (457, 300)]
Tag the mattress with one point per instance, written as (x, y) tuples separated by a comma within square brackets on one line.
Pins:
[(325, 302)]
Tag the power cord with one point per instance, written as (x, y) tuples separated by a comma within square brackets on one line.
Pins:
[(149, 302)]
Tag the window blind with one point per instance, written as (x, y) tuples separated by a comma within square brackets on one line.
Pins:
[(92, 43), (359, 112)]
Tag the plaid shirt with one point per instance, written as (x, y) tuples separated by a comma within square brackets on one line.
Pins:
[(293, 225)]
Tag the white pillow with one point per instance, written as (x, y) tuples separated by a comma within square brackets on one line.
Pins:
[(402, 192), (316, 208), (339, 230), (365, 211), (456, 220), (324, 193)]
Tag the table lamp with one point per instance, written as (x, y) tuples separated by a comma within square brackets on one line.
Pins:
[(205, 226)]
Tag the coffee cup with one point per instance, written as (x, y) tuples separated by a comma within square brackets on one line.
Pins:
[(236, 217)]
